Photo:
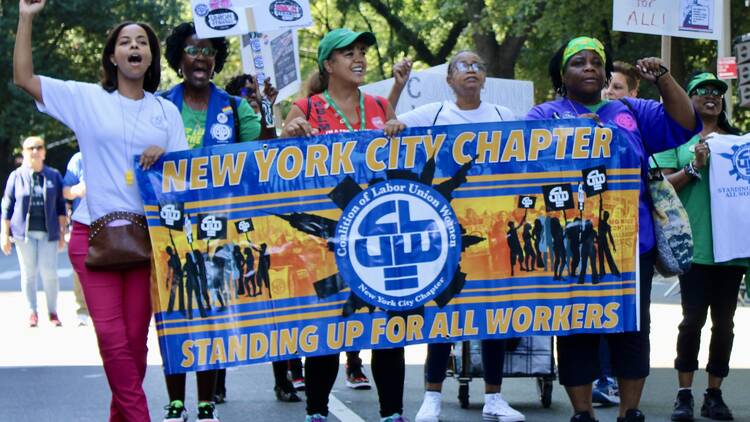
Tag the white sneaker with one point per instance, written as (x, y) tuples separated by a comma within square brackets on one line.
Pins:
[(496, 409), (430, 409)]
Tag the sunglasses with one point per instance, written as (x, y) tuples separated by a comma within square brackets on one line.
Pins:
[(193, 51), (704, 91), (34, 148), (463, 67)]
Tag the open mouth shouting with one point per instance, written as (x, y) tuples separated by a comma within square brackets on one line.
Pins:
[(135, 59)]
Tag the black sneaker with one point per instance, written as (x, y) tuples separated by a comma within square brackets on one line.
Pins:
[(285, 395), (632, 415), (683, 407), (714, 406), (583, 417), (207, 413)]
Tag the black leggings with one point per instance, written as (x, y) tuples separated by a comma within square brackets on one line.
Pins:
[(388, 371), (703, 287)]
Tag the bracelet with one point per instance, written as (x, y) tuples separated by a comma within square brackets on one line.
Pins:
[(662, 71), (691, 171)]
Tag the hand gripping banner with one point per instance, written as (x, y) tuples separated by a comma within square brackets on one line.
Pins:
[(310, 246)]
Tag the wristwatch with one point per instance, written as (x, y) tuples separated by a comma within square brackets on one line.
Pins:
[(691, 171)]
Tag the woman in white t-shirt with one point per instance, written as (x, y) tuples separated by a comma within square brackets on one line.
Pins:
[(466, 76), (112, 121)]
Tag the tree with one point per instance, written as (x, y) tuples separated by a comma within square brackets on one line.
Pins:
[(68, 40)]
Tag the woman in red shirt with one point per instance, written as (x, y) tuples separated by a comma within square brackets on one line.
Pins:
[(342, 107)]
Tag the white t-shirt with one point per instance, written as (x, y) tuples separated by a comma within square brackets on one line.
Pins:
[(448, 113), (111, 129)]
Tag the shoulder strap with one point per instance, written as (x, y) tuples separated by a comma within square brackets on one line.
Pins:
[(309, 107), (498, 113), (437, 114), (233, 103), (380, 103)]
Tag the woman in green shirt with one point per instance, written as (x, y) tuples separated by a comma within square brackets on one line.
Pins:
[(708, 284)]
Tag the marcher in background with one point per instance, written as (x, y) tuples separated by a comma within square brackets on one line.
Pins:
[(112, 121), (579, 71), (708, 284), (342, 107), (210, 116), (246, 86), (34, 217), (74, 189), (466, 77)]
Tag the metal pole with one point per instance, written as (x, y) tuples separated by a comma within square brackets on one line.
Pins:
[(666, 50), (725, 49)]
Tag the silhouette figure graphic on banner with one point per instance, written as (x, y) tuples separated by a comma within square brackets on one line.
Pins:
[(528, 247), (516, 253), (588, 252), (558, 248), (603, 241), (193, 286), (174, 277)]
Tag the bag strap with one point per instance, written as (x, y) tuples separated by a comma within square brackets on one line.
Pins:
[(309, 107), (437, 114), (235, 114), (100, 223)]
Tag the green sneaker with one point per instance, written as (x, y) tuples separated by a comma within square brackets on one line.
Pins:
[(394, 418), (207, 412), (175, 412)]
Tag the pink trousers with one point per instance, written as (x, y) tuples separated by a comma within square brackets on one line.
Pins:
[(120, 307)]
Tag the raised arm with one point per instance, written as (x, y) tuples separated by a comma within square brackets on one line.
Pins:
[(676, 101), (23, 64)]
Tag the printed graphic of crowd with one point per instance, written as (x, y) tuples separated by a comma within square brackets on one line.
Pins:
[(545, 237), (569, 230)]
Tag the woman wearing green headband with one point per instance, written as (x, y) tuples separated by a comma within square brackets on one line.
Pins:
[(707, 284), (579, 71), (342, 107)]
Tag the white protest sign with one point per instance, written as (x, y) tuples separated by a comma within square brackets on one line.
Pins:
[(700, 19), (223, 18), (273, 55), (429, 86)]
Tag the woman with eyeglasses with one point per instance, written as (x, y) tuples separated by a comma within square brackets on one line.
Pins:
[(708, 284), (210, 117), (113, 121), (33, 217), (579, 70), (342, 107), (466, 77)]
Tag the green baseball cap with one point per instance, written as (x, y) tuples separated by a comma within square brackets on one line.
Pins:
[(705, 78), (340, 38)]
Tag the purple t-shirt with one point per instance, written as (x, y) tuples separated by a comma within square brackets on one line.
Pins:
[(648, 128)]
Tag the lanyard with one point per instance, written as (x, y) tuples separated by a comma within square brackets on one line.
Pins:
[(343, 116)]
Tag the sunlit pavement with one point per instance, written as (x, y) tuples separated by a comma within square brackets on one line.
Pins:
[(54, 374)]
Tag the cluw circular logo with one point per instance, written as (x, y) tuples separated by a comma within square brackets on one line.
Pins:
[(398, 244)]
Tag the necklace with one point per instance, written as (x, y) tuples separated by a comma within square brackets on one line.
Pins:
[(345, 119), (128, 145)]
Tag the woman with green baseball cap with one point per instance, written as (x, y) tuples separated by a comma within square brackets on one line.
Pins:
[(708, 284), (342, 107)]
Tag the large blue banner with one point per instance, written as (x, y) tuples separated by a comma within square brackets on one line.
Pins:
[(310, 246)]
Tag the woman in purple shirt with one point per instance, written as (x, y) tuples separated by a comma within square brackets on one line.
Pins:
[(579, 71)]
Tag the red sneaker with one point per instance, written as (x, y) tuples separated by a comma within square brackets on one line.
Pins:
[(55, 320), (33, 320)]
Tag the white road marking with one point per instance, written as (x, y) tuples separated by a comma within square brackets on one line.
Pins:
[(339, 409)]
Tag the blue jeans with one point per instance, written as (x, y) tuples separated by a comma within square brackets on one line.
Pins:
[(37, 255)]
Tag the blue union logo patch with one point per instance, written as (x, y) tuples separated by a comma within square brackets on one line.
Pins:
[(398, 244), (740, 157)]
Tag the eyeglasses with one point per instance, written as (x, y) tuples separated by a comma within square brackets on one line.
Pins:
[(34, 148), (193, 51), (463, 67), (704, 91)]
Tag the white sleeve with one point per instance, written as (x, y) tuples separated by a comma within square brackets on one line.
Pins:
[(175, 127), (420, 116), (64, 100)]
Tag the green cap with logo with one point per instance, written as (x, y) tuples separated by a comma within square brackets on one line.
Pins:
[(705, 78), (340, 38)]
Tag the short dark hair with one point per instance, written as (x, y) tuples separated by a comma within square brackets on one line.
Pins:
[(556, 68), (176, 43), (630, 73), (235, 85), (109, 70)]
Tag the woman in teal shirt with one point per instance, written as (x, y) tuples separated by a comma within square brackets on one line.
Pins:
[(708, 284)]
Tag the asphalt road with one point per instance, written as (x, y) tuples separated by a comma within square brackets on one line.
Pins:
[(54, 374)]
